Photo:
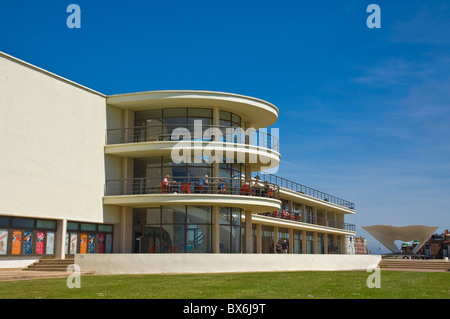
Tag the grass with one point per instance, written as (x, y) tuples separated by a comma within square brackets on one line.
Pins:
[(273, 285)]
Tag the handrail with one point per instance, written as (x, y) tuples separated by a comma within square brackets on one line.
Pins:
[(190, 185), (305, 218), (302, 189), (163, 132)]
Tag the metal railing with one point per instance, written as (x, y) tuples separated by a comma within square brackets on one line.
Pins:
[(208, 133), (307, 218), (302, 189), (190, 185)]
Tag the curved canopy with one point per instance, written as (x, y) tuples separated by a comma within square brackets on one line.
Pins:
[(388, 234)]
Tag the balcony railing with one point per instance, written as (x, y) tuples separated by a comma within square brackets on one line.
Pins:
[(206, 133), (307, 218), (302, 189), (191, 185)]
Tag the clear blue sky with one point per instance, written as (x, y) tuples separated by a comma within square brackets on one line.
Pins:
[(364, 113)]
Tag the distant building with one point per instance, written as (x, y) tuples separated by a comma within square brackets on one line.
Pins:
[(355, 245), (437, 246)]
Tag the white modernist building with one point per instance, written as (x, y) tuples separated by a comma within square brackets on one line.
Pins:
[(148, 172)]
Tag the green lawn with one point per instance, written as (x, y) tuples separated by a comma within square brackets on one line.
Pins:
[(273, 285)]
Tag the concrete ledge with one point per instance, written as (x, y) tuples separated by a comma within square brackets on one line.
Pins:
[(16, 262), (108, 264)]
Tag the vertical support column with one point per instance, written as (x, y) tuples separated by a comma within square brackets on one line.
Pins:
[(248, 232), (341, 244), (303, 241), (258, 238), (216, 230), (216, 123), (128, 123), (314, 221), (325, 243), (126, 229), (275, 238), (60, 242), (303, 215), (128, 167), (291, 241), (335, 244), (315, 243)]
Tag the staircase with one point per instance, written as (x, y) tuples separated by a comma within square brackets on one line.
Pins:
[(51, 264), (415, 264)]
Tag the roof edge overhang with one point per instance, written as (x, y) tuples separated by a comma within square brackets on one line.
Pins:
[(256, 112)]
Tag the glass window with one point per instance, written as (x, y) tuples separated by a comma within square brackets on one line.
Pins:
[(175, 238), (23, 222), (50, 224), (236, 216), (225, 216), (88, 227), (236, 120), (105, 228), (4, 221), (199, 239), (176, 112), (225, 116), (199, 215), (173, 214), (72, 226), (153, 215), (151, 114), (197, 112)]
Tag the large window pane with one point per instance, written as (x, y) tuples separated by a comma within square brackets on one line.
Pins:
[(23, 222), (199, 215), (50, 224), (175, 238), (174, 214), (153, 215), (199, 239), (197, 112)]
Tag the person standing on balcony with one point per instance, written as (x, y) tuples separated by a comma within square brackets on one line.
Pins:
[(204, 185), (221, 187)]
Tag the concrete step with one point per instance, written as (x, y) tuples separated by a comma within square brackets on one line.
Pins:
[(415, 264), (49, 264)]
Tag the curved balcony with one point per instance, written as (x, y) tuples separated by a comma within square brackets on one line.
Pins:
[(306, 191), (301, 217), (253, 147), (230, 192)]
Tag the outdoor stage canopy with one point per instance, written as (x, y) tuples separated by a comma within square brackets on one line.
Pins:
[(388, 234)]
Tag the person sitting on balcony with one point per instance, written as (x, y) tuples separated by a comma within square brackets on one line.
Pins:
[(265, 189), (256, 187), (165, 184), (221, 187)]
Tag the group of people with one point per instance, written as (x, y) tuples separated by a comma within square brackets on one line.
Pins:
[(258, 189), (282, 247), (205, 186)]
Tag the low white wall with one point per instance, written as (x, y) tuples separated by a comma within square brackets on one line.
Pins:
[(107, 264), (16, 262)]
